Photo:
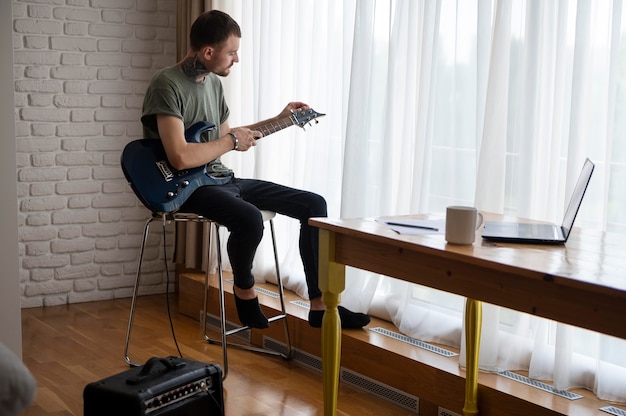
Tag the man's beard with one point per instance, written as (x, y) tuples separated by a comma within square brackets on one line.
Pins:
[(193, 68), (224, 73)]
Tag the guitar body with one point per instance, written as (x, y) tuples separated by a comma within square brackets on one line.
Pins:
[(160, 187), (163, 189)]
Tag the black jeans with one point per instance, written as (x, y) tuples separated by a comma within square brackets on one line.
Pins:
[(237, 204)]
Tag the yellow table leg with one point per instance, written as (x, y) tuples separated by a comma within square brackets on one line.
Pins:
[(332, 281), (473, 324)]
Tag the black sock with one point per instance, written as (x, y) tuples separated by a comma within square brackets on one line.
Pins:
[(349, 319), (250, 313)]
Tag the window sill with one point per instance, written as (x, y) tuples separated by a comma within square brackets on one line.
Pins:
[(435, 379)]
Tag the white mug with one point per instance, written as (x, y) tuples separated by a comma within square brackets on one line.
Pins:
[(461, 224)]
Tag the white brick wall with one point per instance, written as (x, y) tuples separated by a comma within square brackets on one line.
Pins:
[(81, 69)]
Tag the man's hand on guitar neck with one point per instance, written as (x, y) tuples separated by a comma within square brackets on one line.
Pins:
[(244, 138), (279, 122)]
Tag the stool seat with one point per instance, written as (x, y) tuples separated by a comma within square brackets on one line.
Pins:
[(268, 215)]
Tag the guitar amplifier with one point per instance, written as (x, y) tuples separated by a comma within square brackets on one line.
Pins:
[(169, 386)]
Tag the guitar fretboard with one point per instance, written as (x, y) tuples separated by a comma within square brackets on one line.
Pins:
[(274, 126)]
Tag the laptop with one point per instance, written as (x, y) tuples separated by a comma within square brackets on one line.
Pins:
[(514, 232)]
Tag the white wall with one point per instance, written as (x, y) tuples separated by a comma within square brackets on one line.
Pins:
[(81, 68), (10, 320)]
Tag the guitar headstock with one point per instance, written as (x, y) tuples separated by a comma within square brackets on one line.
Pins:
[(303, 117)]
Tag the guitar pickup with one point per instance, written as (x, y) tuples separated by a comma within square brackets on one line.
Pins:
[(165, 170)]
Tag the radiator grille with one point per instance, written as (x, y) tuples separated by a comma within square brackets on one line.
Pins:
[(383, 391), (300, 303), (614, 410), (272, 344), (446, 412), (414, 342), (539, 385)]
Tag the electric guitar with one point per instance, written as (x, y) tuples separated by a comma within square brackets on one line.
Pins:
[(163, 189)]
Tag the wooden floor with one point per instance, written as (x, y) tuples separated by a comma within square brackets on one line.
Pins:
[(67, 347)]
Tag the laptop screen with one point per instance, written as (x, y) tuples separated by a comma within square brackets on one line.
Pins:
[(577, 197)]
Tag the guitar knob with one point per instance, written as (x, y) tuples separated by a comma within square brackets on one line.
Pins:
[(185, 183), (170, 194)]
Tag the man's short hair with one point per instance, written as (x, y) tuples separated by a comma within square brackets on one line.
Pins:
[(212, 28)]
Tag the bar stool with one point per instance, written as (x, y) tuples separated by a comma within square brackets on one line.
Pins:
[(187, 217)]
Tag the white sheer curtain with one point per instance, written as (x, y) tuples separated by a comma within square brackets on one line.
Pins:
[(433, 103)]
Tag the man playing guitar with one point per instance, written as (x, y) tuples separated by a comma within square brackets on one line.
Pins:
[(191, 91)]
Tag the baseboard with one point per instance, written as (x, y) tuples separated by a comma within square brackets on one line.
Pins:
[(374, 358)]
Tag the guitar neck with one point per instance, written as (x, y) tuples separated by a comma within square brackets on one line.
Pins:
[(274, 126)]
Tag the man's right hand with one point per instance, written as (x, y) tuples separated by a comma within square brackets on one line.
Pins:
[(246, 138)]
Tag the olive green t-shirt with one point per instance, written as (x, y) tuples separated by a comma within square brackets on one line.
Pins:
[(173, 93)]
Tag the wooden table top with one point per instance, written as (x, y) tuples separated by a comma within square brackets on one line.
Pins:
[(582, 282)]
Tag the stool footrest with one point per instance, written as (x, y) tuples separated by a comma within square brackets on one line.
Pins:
[(246, 327)]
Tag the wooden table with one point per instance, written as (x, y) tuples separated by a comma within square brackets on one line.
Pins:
[(582, 283)]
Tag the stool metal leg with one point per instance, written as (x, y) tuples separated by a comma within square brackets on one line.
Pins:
[(222, 312), (281, 292), (135, 293), (178, 217), (220, 276)]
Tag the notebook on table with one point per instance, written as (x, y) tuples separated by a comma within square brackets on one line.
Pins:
[(531, 233)]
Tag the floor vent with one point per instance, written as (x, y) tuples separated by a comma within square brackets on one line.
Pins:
[(383, 391), (262, 290), (356, 380), (539, 385), (446, 412), (613, 410), (414, 342)]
